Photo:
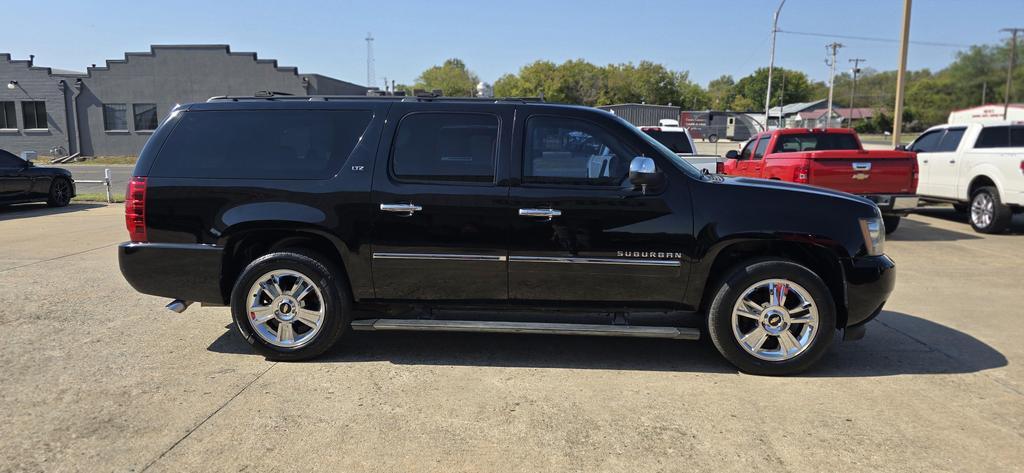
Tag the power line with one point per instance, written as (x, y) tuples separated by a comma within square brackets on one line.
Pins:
[(869, 38)]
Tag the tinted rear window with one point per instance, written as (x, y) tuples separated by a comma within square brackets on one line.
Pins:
[(445, 147), (261, 144), (814, 142), (1001, 137), (673, 140)]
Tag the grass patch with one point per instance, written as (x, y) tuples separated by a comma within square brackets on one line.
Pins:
[(99, 160), (97, 197)]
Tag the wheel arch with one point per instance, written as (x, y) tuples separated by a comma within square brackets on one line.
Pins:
[(243, 245), (822, 260), (982, 179)]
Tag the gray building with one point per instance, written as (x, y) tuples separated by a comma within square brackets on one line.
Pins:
[(111, 110), (641, 114)]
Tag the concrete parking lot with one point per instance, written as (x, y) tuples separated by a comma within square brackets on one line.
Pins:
[(99, 378)]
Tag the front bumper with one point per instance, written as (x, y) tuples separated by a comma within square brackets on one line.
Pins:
[(894, 204), (869, 282), (190, 272)]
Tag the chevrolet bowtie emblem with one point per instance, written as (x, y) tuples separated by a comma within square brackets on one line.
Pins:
[(860, 176)]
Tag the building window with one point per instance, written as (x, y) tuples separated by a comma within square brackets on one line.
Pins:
[(115, 117), (34, 115), (8, 120), (145, 116)]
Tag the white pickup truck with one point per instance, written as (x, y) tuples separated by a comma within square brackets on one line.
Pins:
[(976, 167), (678, 139)]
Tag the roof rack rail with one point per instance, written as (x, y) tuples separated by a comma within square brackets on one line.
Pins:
[(399, 98)]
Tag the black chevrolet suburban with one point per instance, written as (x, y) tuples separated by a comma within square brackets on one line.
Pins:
[(314, 216)]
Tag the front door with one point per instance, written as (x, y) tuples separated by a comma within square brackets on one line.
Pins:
[(580, 234), (14, 182), (945, 164), (928, 159), (442, 224)]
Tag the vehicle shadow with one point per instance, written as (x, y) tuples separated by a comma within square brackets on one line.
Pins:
[(947, 213), (15, 211), (917, 230), (896, 344)]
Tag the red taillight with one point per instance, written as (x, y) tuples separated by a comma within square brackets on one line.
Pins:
[(802, 174), (719, 168), (650, 128), (914, 175), (135, 209)]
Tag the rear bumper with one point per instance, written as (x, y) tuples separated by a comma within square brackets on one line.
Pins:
[(894, 203), (190, 272), (869, 282)]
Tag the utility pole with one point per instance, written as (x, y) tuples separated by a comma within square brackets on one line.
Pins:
[(897, 120), (371, 76), (782, 99), (853, 90), (984, 92), (1009, 70), (831, 80), (771, 63)]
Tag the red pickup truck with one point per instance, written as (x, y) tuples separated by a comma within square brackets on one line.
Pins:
[(832, 158)]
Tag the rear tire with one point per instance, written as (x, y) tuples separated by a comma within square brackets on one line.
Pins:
[(296, 324), (891, 222), (712, 138), (60, 193), (988, 214), (758, 343)]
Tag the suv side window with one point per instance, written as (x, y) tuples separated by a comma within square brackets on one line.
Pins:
[(928, 142), (261, 144), (442, 146), (566, 150), (951, 140), (762, 145), (993, 137), (748, 149)]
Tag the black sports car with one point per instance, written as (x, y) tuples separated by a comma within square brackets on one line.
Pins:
[(22, 181)]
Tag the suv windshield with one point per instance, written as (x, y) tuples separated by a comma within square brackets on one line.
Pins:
[(815, 142)]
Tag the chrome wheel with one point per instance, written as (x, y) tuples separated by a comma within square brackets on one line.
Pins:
[(983, 210), (286, 309), (775, 320)]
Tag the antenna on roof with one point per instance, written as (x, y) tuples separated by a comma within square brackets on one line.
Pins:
[(371, 76)]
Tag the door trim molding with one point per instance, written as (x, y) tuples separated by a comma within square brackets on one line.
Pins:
[(573, 260), (439, 257)]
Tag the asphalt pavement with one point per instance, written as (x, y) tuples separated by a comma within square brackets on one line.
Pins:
[(97, 377)]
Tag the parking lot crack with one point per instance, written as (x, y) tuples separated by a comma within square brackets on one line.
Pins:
[(208, 417), (58, 257)]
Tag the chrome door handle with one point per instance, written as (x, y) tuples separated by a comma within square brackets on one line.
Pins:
[(404, 209), (924, 161), (952, 161), (545, 213)]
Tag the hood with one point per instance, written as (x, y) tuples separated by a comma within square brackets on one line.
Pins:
[(793, 187)]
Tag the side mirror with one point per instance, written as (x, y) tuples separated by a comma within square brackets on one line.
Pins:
[(732, 154), (643, 173)]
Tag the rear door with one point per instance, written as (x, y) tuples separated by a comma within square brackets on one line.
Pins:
[(581, 234), (441, 198)]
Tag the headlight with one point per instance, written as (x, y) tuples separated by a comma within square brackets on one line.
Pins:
[(874, 235)]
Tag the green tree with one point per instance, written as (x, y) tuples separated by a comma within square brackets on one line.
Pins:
[(721, 92), (787, 87), (452, 77)]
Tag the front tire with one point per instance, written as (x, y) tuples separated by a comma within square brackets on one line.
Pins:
[(988, 214), (60, 193), (772, 318), (291, 305)]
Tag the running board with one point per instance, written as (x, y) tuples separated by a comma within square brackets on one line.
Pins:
[(679, 333)]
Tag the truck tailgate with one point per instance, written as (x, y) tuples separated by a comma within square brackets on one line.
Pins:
[(864, 172)]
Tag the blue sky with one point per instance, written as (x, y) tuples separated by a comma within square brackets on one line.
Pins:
[(707, 38)]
